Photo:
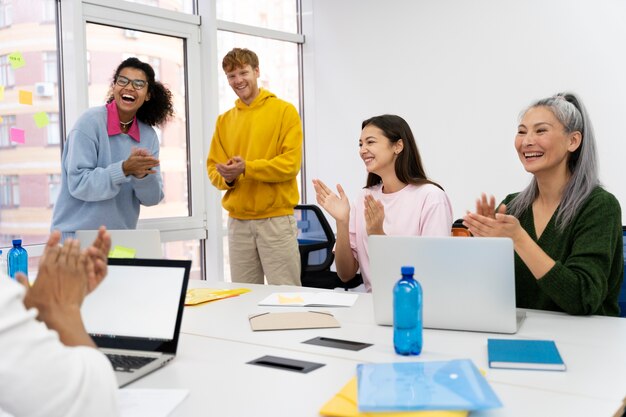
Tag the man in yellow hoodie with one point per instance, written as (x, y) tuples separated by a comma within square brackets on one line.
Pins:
[(255, 156)]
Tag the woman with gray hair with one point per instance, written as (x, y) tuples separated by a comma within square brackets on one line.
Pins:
[(566, 229)]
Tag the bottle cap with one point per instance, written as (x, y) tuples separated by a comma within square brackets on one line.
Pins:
[(407, 270), (17, 241)]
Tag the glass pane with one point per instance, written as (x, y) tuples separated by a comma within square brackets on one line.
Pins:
[(185, 249), (271, 14), (107, 47), (278, 65), (29, 119), (185, 6)]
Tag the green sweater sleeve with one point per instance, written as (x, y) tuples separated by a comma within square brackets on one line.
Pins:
[(588, 271)]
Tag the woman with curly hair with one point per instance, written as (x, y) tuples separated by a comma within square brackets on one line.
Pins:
[(110, 162)]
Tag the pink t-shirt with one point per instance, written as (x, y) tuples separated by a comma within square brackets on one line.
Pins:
[(416, 210)]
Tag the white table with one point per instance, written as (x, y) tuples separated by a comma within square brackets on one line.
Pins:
[(216, 342)]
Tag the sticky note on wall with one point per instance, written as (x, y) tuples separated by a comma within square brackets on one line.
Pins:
[(41, 119), (26, 97), (17, 60), (1, 92), (17, 135), (122, 252)]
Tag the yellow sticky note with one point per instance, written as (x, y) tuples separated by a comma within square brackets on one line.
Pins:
[(1, 92), (16, 60), (290, 300), (41, 119), (122, 252), (26, 97), (197, 296), (1, 119)]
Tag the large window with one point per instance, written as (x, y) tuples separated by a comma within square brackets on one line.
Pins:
[(166, 55), (9, 191), (271, 14), (7, 75), (6, 13), (7, 123), (278, 57), (28, 157), (53, 129)]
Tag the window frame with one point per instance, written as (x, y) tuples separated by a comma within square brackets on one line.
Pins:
[(121, 14)]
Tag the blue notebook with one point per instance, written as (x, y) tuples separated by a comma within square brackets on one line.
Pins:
[(524, 354), (407, 386)]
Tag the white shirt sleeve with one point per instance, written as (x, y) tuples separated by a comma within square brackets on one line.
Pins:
[(39, 376)]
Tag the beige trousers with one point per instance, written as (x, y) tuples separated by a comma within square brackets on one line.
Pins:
[(264, 248)]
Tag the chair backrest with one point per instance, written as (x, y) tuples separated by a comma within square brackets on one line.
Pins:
[(315, 238), (146, 243), (622, 295)]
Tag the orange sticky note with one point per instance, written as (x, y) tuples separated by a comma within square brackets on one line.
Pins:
[(17, 135), (17, 60), (1, 92), (41, 119), (26, 97)]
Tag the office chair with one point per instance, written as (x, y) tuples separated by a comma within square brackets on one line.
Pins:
[(622, 294), (316, 241), (459, 229)]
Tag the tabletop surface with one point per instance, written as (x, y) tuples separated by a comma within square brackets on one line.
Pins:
[(217, 342)]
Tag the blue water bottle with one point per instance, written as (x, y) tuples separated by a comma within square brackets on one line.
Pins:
[(407, 314), (17, 259)]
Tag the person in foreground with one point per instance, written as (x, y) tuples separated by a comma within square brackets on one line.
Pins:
[(255, 157), (566, 229), (49, 365), (110, 162), (398, 198)]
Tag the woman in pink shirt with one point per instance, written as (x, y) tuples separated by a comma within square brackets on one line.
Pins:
[(398, 198)]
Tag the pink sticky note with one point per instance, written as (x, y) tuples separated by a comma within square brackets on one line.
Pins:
[(17, 135)]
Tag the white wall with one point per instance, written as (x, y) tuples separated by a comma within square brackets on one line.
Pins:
[(459, 72)]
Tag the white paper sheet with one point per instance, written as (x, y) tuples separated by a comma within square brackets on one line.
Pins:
[(149, 402)]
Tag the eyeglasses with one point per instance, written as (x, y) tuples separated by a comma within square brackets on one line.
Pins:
[(137, 84)]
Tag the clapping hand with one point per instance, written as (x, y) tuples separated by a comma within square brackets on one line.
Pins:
[(337, 206), (489, 222), (231, 169), (140, 163), (374, 216)]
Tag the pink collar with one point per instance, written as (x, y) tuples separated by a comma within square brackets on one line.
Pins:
[(113, 123)]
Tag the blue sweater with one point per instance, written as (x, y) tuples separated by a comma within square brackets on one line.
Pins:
[(94, 190)]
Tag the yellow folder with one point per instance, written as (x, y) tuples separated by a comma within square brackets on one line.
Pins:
[(344, 404)]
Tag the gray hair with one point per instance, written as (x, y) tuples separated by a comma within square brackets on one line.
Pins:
[(582, 163)]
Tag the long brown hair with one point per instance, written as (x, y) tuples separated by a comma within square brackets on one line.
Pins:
[(408, 165)]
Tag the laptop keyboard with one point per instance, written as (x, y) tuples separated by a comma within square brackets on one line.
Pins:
[(127, 363)]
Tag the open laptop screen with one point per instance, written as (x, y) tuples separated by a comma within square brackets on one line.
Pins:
[(138, 305)]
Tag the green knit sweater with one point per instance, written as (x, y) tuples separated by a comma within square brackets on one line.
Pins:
[(588, 273)]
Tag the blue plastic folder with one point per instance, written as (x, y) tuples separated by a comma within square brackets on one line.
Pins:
[(407, 386)]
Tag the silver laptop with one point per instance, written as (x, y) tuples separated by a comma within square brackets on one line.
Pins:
[(134, 316), (145, 242), (468, 283)]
